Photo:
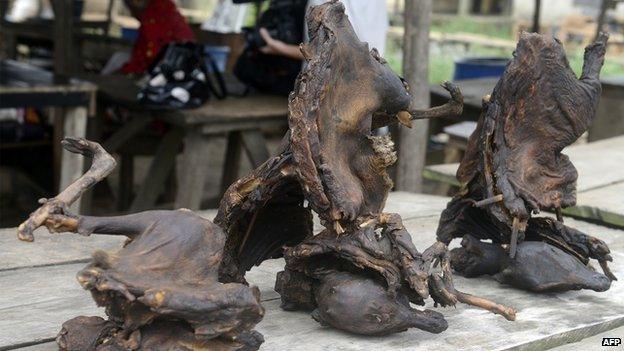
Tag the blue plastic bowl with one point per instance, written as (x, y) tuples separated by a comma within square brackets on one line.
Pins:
[(479, 67), (219, 54)]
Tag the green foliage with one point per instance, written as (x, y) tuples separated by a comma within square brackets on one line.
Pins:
[(610, 68), (441, 61), (470, 25)]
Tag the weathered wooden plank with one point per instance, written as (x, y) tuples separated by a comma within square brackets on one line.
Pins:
[(73, 87), (47, 346), (195, 166), (254, 107), (410, 205), (160, 168), (468, 330), (65, 54), (232, 160), (461, 130), (579, 343), (50, 249), (598, 204), (603, 204), (35, 301), (444, 173), (412, 149), (600, 178), (598, 163), (593, 342), (256, 146), (595, 168), (53, 296), (125, 133), (72, 165), (272, 123), (544, 321)]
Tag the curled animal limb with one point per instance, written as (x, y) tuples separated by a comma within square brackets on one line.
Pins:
[(102, 164), (454, 107)]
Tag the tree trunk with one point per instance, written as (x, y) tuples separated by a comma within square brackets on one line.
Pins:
[(413, 143)]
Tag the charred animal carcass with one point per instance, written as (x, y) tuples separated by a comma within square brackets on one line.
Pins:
[(161, 290), (514, 168), (331, 163)]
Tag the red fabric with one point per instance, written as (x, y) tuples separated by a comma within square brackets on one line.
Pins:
[(161, 24)]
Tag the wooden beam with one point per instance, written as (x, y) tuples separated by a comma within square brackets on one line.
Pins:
[(536, 16), (413, 142), (255, 145), (159, 169), (232, 159), (463, 7), (64, 53), (195, 165), (109, 16), (601, 17)]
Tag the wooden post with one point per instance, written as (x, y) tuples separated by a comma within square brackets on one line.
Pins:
[(109, 16), (536, 16), (397, 8), (463, 7), (74, 123), (413, 142), (63, 36), (159, 170), (195, 164), (601, 17)]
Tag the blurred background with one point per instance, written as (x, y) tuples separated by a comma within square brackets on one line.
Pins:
[(470, 43)]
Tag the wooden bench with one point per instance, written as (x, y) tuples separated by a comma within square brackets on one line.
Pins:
[(23, 85), (40, 292), (242, 119), (472, 90), (607, 123), (600, 183), (458, 135), (466, 39)]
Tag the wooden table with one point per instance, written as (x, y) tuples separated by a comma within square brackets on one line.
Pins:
[(40, 292), (23, 85), (242, 119), (609, 120), (473, 91), (458, 135), (600, 184)]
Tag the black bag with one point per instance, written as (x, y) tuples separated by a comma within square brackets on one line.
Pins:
[(271, 73), (184, 76)]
